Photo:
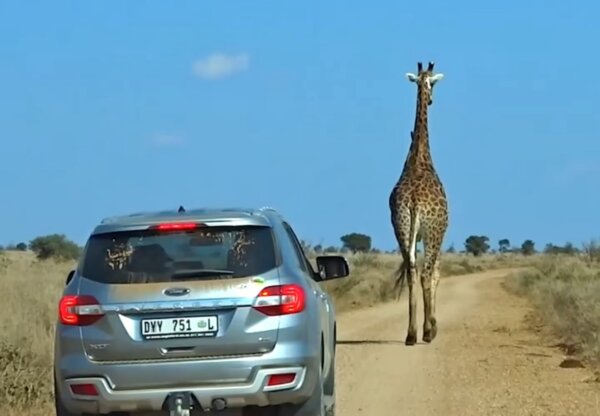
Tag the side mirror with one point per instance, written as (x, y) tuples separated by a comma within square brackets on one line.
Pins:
[(70, 277), (332, 267)]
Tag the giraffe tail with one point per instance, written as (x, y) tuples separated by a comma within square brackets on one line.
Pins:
[(400, 280)]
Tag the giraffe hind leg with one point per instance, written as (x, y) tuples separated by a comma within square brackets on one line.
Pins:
[(405, 234), (411, 271), (429, 282), (406, 272)]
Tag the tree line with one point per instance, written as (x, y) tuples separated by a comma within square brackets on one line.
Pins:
[(58, 246), (475, 245)]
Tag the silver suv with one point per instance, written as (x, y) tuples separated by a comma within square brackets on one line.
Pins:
[(182, 312)]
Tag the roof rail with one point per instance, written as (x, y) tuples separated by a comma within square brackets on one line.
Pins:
[(267, 208)]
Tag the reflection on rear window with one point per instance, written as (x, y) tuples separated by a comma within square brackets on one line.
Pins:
[(152, 256)]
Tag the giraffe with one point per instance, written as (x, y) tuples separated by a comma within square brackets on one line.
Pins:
[(419, 212)]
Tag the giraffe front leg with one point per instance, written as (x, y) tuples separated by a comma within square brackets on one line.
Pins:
[(429, 282), (427, 322), (435, 280), (411, 336)]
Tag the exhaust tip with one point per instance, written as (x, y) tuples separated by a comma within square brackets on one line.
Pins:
[(219, 404)]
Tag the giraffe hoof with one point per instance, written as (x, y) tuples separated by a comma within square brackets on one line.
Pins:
[(411, 339), (433, 332), (430, 334)]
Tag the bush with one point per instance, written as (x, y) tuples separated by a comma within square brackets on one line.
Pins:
[(566, 291), (55, 246)]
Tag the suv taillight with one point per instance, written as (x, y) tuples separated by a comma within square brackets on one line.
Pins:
[(79, 310), (280, 300)]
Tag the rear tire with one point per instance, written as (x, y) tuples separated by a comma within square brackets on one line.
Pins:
[(322, 400), (60, 408), (314, 406), (329, 388)]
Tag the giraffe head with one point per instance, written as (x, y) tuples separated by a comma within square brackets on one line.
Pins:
[(425, 81)]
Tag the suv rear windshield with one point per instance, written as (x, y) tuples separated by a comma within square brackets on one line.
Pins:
[(157, 256)]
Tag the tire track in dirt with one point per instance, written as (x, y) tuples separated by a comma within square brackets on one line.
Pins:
[(484, 361)]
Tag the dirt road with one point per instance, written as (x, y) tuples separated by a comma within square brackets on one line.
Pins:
[(486, 360)]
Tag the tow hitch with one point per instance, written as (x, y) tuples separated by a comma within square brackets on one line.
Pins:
[(183, 403), (180, 404)]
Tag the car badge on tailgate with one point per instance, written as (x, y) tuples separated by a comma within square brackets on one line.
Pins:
[(176, 291), (258, 280)]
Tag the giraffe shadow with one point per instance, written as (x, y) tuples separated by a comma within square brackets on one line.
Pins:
[(373, 342)]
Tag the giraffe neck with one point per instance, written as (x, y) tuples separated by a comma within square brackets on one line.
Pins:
[(419, 154)]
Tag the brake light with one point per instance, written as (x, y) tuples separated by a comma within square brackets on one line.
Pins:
[(279, 379), (280, 300), (175, 226), (79, 310), (84, 389)]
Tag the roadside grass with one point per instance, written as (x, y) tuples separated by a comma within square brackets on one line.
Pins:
[(31, 292), (372, 276), (566, 293), (32, 289)]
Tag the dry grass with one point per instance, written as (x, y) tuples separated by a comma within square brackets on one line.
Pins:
[(566, 291), (32, 290), (372, 276)]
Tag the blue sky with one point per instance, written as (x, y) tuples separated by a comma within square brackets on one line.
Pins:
[(111, 107)]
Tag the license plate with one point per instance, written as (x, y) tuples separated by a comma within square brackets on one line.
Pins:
[(189, 327)]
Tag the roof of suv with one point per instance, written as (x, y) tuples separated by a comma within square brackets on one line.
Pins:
[(212, 216)]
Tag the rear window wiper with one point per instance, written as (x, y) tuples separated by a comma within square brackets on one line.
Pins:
[(193, 273)]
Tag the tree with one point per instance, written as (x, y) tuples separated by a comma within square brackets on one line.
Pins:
[(356, 242), (477, 244), (54, 246), (21, 247), (331, 249), (504, 245), (451, 249), (528, 247), (318, 248), (568, 249)]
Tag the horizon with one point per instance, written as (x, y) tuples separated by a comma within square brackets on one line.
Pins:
[(113, 108)]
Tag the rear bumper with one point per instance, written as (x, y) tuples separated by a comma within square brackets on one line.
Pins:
[(144, 387), (253, 393)]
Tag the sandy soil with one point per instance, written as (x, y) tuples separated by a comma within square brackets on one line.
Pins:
[(486, 359)]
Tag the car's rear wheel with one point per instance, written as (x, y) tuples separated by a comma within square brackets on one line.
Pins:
[(61, 410), (321, 402), (329, 383), (329, 390)]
